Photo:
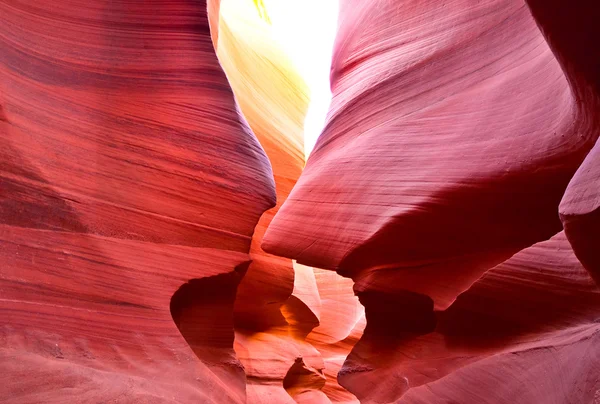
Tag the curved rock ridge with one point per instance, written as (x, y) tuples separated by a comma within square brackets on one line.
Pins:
[(342, 321), (452, 135), (580, 213), (88, 316), (202, 310), (580, 210), (527, 331), (113, 105), (571, 29), (126, 171), (441, 245), (274, 100)]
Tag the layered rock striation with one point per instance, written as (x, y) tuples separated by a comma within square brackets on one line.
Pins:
[(127, 176), (161, 239), (459, 142)]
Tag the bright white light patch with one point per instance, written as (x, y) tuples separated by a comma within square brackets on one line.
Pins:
[(306, 30)]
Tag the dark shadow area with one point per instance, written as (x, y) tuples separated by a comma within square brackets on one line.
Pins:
[(300, 317), (301, 377), (393, 314), (202, 309)]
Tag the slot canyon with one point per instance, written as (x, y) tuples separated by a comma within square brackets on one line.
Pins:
[(300, 201)]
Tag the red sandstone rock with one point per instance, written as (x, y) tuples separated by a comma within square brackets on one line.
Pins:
[(126, 171), (571, 30), (129, 183), (88, 316), (277, 305), (525, 332), (453, 133), (580, 213), (341, 325), (451, 138)]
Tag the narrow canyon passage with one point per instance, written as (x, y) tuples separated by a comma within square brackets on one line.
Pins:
[(317, 201), (344, 214), (282, 308)]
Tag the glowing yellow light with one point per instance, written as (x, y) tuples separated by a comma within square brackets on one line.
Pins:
[(306, 30), (262, 11)]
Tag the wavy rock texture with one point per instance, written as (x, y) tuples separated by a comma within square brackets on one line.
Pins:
[(127, 177), (320, 311), (527, 331), (342, 322), (580, 210), (273, 98), (580, 213), (454, 132), (460, 140), (571, 29), (437, 122)]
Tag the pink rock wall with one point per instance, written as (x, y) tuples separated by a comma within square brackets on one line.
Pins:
[(126, 171), (437, 121), (455, 187), (454, 133)]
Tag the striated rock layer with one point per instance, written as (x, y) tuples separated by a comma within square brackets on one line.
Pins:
[(130, 186), (122, 133), (455, 132), (447, 147), (571, 30), (527, 331), (455, 187)]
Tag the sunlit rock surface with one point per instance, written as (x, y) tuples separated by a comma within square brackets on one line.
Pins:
[(278, 303), (273, 98)]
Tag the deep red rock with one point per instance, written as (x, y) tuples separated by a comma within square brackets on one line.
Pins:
[(527, 331), (454, 132), (571, 30), (459, 141), (580, 213), (126, 171), (449, 144)]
